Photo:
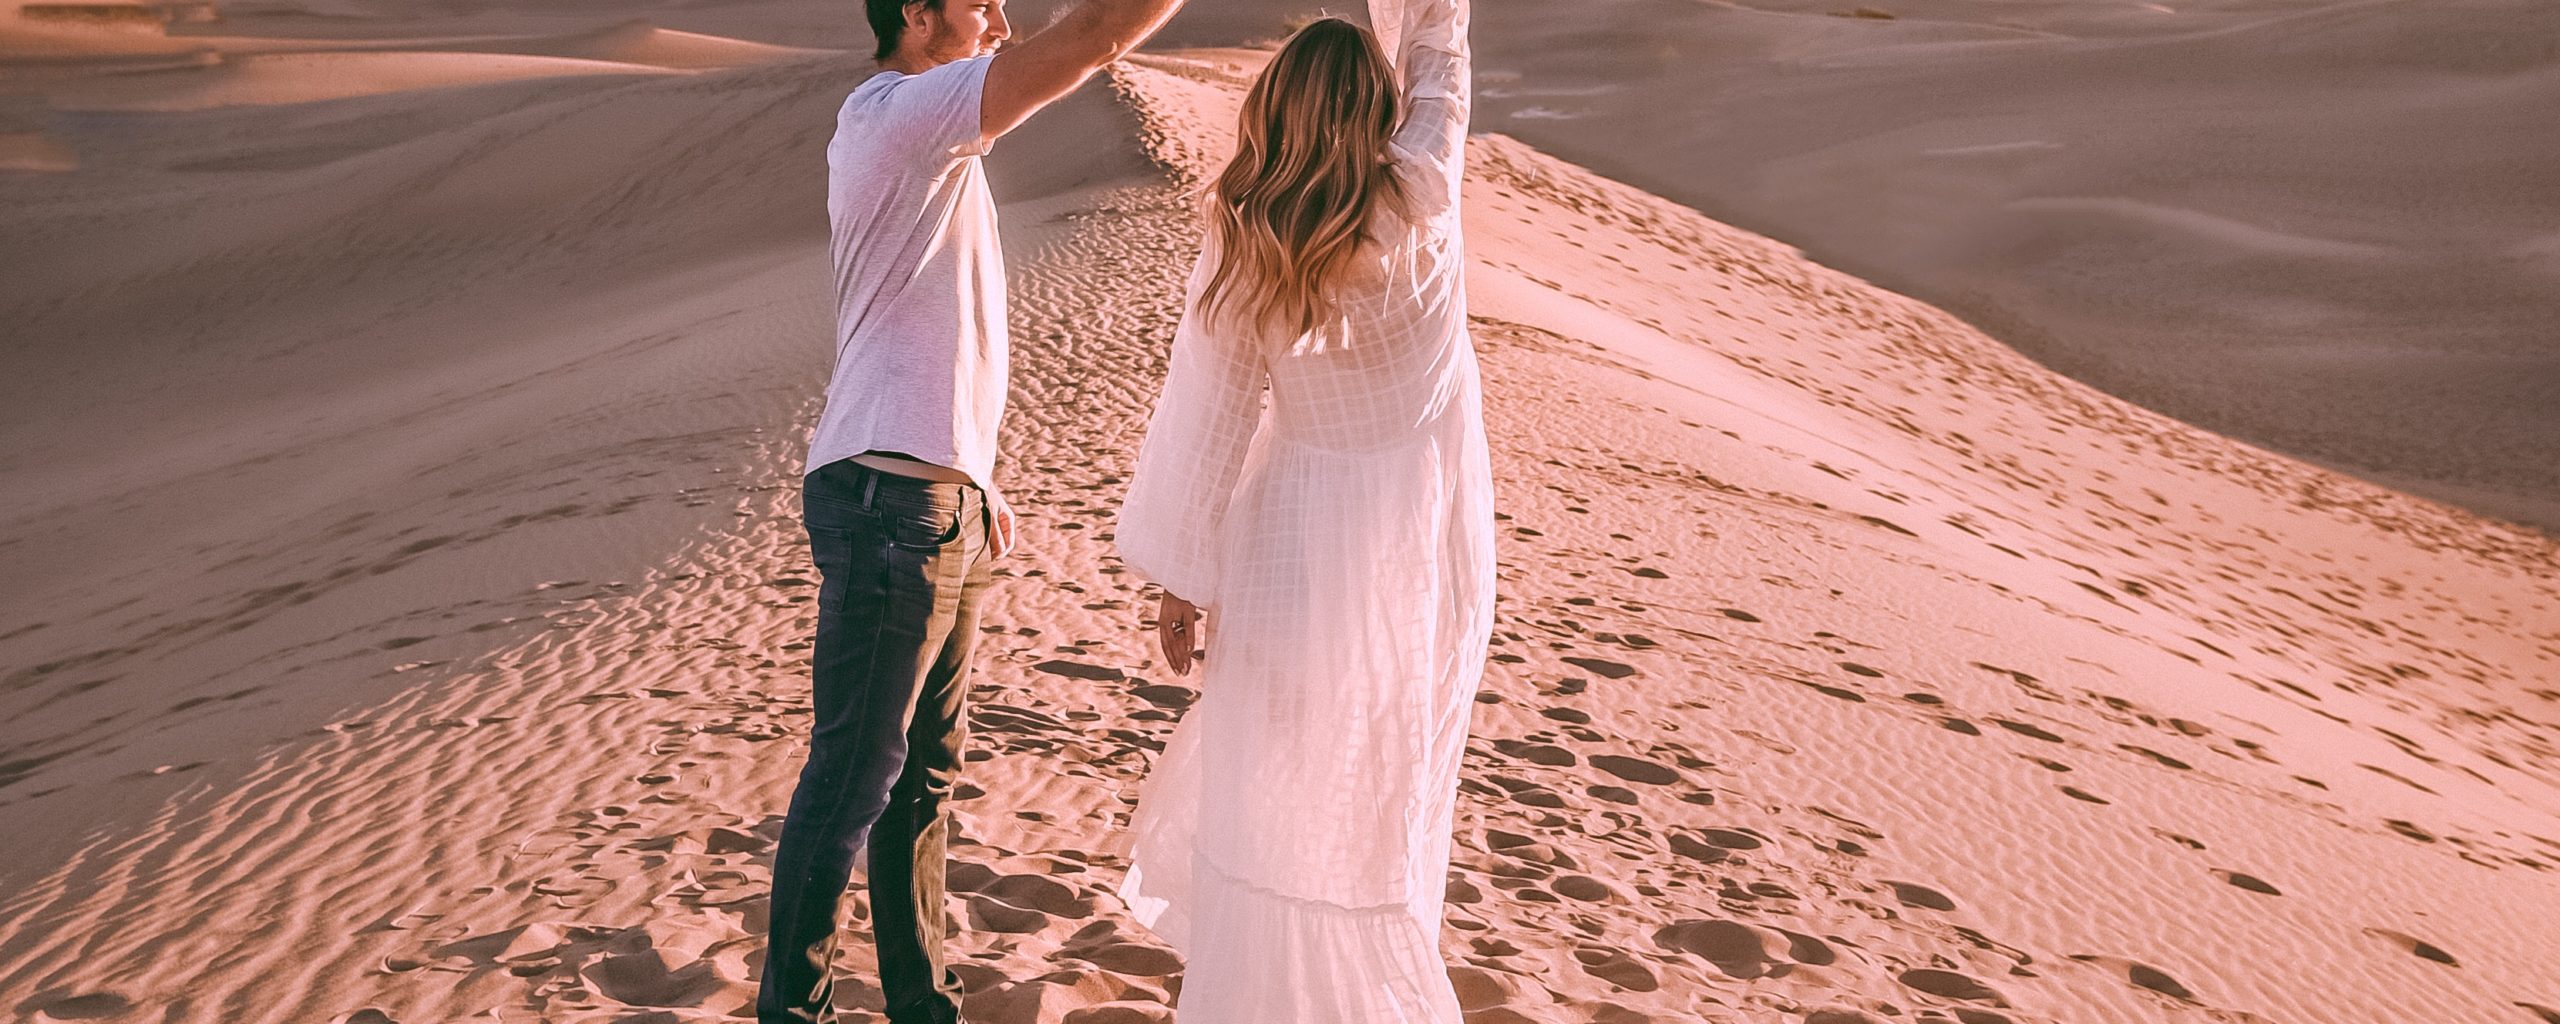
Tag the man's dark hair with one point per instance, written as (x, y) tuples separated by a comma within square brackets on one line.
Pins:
[(889, 21)]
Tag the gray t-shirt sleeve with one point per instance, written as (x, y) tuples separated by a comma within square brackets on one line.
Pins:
[(935, 114)]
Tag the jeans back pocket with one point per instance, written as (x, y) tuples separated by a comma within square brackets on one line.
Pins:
[(917, 523)]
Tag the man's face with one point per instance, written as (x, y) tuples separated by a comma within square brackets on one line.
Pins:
[(960, 29)]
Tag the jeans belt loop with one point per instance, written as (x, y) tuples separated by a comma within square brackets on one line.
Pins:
[(870, 485)]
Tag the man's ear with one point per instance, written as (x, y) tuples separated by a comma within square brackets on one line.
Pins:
[(917, 11)]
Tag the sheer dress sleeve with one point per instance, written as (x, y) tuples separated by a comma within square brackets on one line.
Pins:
[(1429, 43), (1204, 421)]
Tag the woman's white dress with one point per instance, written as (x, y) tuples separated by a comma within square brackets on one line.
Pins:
[(1292, 841)]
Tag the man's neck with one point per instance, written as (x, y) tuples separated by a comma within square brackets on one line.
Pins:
[(908, 63)]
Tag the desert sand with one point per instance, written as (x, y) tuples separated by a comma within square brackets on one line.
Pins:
[(407, 607)]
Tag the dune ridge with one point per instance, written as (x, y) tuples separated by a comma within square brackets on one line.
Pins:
[(95, 69), (1849, 666)]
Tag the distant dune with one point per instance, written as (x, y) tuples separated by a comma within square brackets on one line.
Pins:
[(85, 68), (311, 77), (638, 42)]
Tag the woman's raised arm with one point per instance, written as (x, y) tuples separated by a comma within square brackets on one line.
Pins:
[(1428, 40)]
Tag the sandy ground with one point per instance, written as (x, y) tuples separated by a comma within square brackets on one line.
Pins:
[(407, 607)]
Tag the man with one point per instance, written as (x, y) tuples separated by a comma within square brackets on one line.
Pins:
[(900, 502)]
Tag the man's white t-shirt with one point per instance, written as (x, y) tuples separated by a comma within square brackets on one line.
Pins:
[(920, 304)]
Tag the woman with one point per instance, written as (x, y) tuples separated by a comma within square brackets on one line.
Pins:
[(1293, 838)]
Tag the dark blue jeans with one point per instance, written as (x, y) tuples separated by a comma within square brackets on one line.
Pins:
[(901, 562)]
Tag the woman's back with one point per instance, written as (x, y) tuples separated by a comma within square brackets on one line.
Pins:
[(1387, 369), (1293, 840)]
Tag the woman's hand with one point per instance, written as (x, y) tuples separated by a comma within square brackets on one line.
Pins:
[(1178, 628)]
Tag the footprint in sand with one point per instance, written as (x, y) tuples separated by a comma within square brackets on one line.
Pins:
[(1733, 838), (77, 1006), (1742, 950), (1080, 670), (1523, 848), (2025, 729), (1852, 696), (1041, 893), (1487, 947), (1636, 769), (1006, 718), (1582, 887), (1166, 695), (2412, 944), (643, 980), (1951, 985), (1103, 945), (1132, 959), (1697, 849), (524, 943), (1912, 894), (1537, 753), (1602, 667), (988, 914), (1614, 794), (1841, 1015), (1527, 793), (2156, 756), (1763, 889), (2140, 974), (2249, 882), (1486, 995), (1461, 891), (2409, 830), (1617, 968)]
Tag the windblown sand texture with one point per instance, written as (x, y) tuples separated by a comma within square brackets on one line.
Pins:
[(407, 616)]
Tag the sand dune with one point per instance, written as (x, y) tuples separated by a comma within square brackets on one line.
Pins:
[(409, 607), (93, 69), (639, 42), (311, 77)]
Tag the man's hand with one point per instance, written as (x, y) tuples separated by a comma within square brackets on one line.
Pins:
[(1178, 628), (1004, 528)]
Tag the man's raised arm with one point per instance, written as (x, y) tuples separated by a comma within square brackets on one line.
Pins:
[(1026, 77)]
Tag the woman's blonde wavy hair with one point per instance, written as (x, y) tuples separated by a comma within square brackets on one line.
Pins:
[(1291, 210)]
